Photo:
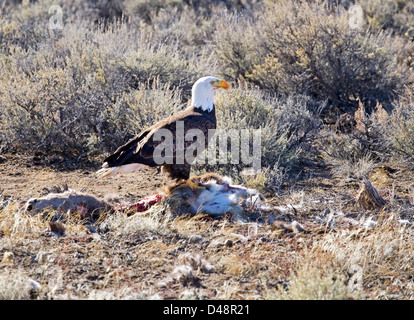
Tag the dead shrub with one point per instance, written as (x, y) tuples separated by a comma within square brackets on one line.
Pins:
[(352, 148)]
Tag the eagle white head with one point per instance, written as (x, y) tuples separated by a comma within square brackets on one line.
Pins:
[(203, 92)]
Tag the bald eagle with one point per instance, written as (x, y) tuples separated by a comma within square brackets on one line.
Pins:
[(138, 153)]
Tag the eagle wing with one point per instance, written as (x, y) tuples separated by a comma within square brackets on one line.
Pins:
[(140, 150)]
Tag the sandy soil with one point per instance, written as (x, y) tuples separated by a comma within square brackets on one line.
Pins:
[(228, 260)]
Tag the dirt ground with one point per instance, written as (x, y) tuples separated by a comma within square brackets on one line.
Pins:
[(190, 257), (21, 177)]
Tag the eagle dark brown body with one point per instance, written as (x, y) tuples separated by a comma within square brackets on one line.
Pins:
[(141, 148)]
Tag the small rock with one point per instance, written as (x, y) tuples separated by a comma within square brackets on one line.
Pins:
[(271, 219), (216, 244), (196, 262), (188, 295), (296, 227), (182, 274), (92, 229), (252, 230), (34, 286), (228, 243), (369, 224), (41, 257), (195, 238), (8, 257), (404, 222), (239, 238), (57, 228)]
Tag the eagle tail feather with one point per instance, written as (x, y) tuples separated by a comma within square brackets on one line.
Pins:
[(128, 168), (107, 172)]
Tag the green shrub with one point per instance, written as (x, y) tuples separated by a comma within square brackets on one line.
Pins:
[(303, 48), (312, 284), (25, 25), (234, 44), (146, 10), (398, 128), (397, 15), (324, 57), (88, 90)]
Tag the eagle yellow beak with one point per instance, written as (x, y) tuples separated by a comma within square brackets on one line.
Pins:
[(221, 84)]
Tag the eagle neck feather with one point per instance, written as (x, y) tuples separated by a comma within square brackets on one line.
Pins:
[(203, 99)]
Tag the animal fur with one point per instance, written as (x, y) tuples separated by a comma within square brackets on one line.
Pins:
[(87, 206), (211, 194)]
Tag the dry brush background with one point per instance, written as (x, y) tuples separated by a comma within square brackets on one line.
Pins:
[(335, 106)]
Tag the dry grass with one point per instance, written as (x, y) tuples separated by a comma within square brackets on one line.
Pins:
[(344, 253)]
